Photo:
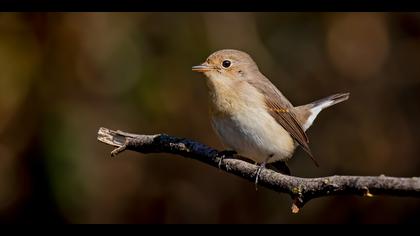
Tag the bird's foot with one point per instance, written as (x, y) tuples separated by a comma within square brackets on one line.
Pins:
[(257, 174), (223, 154)]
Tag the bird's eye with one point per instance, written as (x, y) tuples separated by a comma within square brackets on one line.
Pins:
[(226, 63)]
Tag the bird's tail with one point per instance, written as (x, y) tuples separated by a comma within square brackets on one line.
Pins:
[(329, 101), (310, 111)]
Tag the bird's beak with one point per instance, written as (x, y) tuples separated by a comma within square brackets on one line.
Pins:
[(202, 68)]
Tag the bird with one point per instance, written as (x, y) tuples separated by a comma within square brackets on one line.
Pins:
[(250, 115)]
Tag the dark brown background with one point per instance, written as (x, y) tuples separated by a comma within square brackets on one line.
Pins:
[(64, 75)]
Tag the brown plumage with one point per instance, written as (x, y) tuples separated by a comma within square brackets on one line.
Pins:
[(282, 111)]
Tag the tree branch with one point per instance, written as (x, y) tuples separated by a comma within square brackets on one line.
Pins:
[(300, 189)]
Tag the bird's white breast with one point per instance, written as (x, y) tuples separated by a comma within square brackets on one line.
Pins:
[(243, 123)]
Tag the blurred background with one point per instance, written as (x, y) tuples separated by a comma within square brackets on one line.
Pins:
[(64, 75)]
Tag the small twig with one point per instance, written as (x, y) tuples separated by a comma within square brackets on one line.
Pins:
[(301, 190)]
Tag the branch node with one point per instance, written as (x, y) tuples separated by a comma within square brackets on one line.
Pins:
[(295, 209), (367, 193), (119, 150), (297, 204)]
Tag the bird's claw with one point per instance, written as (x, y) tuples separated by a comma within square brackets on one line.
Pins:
[(257, 174), (220, 161), (223, 155)]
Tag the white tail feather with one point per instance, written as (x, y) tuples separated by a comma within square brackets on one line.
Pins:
[(319, 105), (314, 113)]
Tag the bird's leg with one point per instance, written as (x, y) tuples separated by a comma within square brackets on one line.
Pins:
[(223, 154), (257, 174)]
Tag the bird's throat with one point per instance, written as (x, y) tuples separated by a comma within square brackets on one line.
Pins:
[(223, 97), (232, 97)]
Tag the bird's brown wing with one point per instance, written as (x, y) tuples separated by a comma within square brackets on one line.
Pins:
[(281, 110)]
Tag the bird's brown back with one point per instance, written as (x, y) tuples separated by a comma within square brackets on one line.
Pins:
[(282, 110)]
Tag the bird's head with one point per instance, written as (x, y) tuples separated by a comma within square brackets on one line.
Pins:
[(227, 64)]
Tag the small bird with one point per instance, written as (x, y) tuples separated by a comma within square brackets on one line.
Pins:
[(251, 116)]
